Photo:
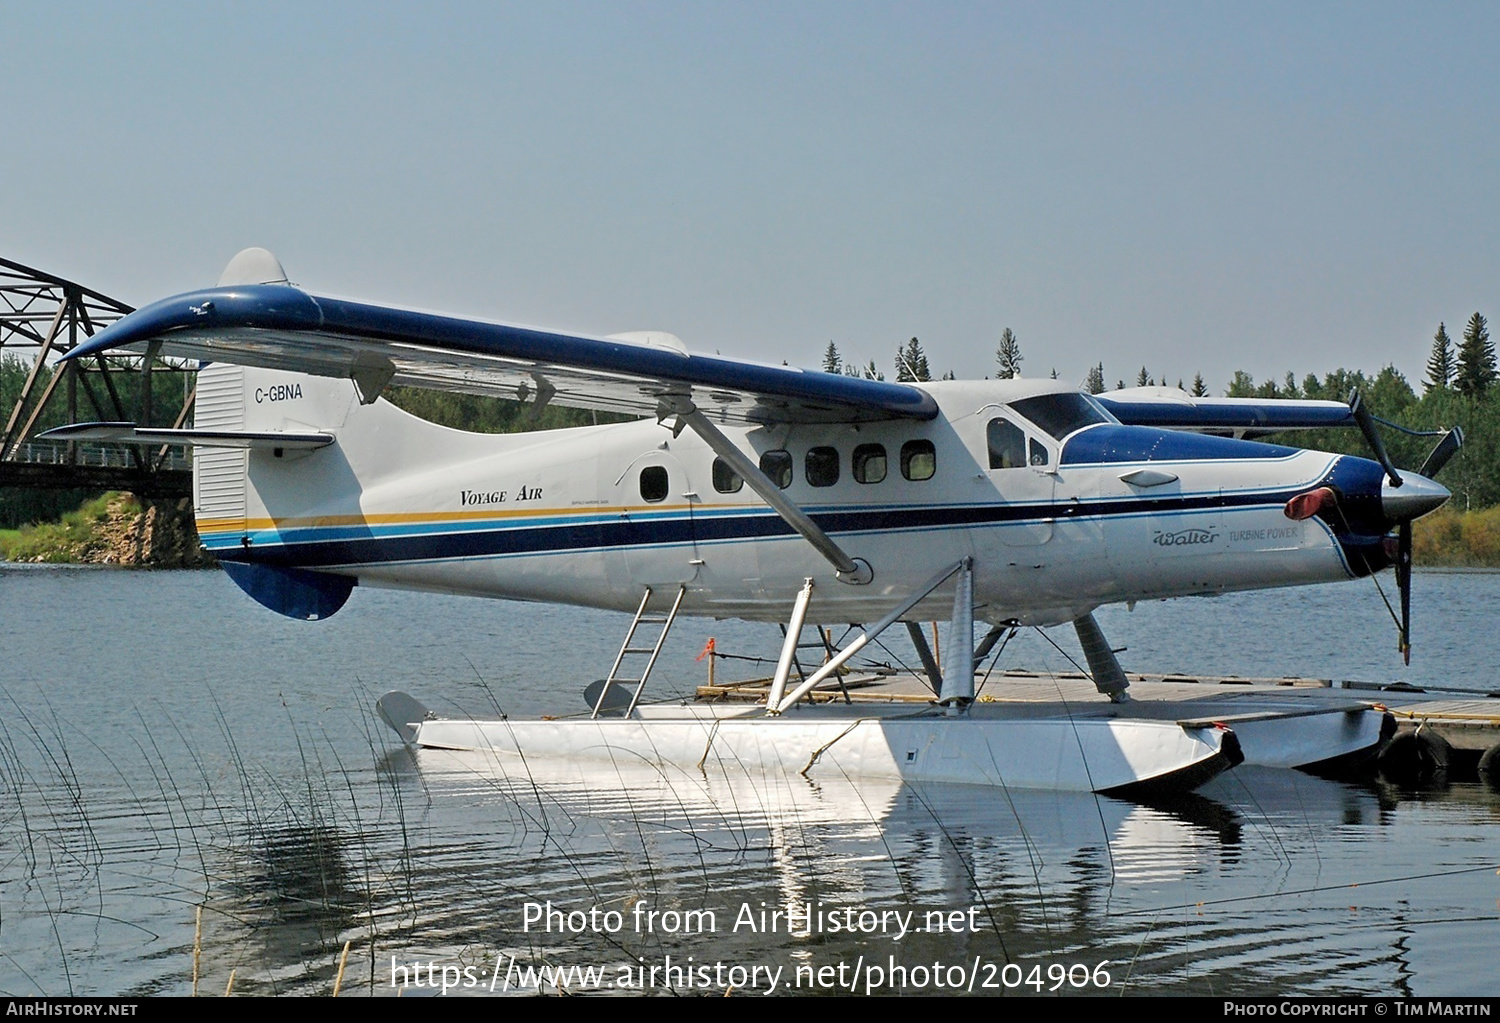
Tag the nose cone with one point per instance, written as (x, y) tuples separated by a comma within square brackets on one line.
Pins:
[(1416, 496)]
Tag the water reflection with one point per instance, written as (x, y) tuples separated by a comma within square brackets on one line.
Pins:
[(271, 798), (1015, 872)]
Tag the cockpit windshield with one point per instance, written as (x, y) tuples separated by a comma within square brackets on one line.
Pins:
[(1062, 414)]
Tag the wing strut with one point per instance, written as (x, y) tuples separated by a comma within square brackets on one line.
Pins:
[(856, 571)]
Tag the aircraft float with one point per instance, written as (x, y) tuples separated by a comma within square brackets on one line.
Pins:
[(769, 493)]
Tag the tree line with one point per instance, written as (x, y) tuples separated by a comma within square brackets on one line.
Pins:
[(911, 364)]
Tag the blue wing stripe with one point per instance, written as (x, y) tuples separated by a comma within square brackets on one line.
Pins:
[(1230, 414), (284, 327)]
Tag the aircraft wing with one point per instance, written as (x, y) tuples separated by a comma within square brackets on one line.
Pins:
[(1171, 408), (279, 326)]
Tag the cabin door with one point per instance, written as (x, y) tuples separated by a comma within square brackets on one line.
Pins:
[(655, 527), (1021, 469)]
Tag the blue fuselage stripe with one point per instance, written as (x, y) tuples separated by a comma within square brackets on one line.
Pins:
[(313, 548)]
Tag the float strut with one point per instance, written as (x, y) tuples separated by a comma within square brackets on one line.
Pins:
[(924, 652), (958, 681), (789, 646), (1109, 677), (990, 639)]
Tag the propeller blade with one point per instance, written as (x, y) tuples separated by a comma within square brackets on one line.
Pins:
[(1366, 424), (1445, 449), (1403, 583)]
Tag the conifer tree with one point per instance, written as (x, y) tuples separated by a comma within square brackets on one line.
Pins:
[(1142, 379), (1440, 365), (1008, 355), (911, 362), (1200, 389), (832, 361), (1094, 382), (1476, 359)]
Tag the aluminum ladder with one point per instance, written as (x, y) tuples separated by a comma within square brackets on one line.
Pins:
[(642, 617)]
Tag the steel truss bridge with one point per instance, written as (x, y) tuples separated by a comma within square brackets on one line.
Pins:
[(42, 318)]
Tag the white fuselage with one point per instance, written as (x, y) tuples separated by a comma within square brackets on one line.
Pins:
[(591, 515)]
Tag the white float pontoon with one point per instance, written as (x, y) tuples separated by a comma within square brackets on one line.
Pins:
[(986, 746)]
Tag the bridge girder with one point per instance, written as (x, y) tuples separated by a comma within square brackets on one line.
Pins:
[(42, 318)]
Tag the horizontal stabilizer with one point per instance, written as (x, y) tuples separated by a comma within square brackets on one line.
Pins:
[(129, 433)]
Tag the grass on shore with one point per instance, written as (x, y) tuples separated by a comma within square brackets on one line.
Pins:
[(60, 542), (1449, 538)]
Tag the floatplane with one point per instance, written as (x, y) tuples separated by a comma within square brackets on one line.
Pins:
[(770, 493)]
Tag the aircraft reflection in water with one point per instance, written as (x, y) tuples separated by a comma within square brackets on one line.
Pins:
[(1158, 890)]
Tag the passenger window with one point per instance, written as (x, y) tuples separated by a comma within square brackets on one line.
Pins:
[(869, 463), (1007, 444), (1038, 453), (654, 483), (918, 460), (822, 466), (726, 480), (778, 466)]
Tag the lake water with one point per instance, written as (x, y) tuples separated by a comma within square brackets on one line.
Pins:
[(168, 748)]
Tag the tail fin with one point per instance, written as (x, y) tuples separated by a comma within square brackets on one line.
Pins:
[(238, 399), (282, 519), (231, 486)]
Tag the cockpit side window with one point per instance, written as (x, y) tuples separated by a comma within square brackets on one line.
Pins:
[(1007, 444), (1061, 414)]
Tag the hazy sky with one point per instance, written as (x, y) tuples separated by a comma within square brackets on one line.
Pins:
[(1199, 187)]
